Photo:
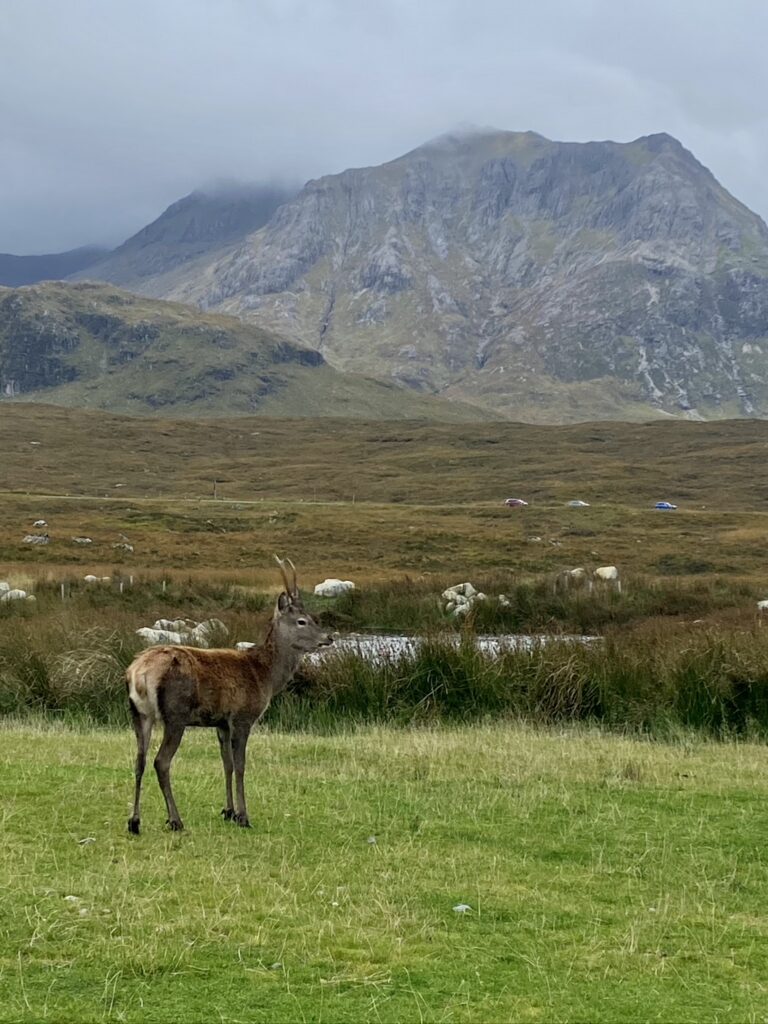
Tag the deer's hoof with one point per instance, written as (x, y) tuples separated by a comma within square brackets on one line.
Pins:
[(175, 826), (242, 820), (228, 814), (133, 826)]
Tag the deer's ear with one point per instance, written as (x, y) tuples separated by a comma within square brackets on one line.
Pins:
[(283, 602)]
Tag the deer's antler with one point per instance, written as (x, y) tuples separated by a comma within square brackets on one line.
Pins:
[(294, 584), (291, 586)]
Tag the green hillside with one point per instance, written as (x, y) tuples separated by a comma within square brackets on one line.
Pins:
[(94, 346)]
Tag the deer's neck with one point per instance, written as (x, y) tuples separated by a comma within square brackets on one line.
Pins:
[(282, 662)]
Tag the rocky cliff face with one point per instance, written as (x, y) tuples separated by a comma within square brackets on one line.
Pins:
[(547, 281)]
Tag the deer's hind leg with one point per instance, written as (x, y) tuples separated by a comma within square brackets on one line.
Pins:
[(225, 746), (171, 740), (142, 726)]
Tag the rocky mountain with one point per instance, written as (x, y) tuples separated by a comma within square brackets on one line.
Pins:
[(18, 270), (205, 221), (547, 281), (94, 346)]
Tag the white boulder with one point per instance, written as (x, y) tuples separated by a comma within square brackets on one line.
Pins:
[(460, 599), (195, 634), (459, 590), (333, 588), (160, 636), (204, 632), (176, 625)]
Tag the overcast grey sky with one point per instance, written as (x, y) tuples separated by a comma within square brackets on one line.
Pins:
[(112, 109)]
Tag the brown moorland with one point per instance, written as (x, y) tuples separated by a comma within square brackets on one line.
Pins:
[(380, 500)]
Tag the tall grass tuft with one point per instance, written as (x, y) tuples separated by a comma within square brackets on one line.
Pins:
[(66, 674)]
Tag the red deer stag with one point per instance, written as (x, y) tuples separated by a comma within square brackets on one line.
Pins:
[(227, 690)]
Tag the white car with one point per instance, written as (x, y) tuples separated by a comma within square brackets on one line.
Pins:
[(577, 503)]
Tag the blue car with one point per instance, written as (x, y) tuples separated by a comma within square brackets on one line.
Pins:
[(664, 505)]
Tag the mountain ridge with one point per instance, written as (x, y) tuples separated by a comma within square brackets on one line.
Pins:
[(547, 281), (16, 271)]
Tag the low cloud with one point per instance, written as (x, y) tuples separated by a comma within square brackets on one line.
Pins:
[(112, 110)]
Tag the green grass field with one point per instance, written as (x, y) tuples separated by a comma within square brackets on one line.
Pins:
[(609, 880)]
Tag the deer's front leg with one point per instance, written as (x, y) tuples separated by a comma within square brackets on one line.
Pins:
[(225, 746)]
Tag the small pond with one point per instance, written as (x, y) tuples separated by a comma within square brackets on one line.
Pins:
[(388, 646)]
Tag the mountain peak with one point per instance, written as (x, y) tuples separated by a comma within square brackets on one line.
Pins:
[(469, 134), (660, 140), (207, 219), (474, 141)]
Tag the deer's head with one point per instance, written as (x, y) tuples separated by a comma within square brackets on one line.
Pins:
[(292, 622)]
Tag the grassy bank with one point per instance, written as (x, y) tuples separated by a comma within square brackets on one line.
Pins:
[(607, 880)]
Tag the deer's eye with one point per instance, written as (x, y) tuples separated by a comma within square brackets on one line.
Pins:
[(301, 622)]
